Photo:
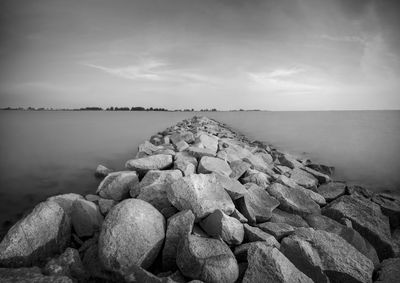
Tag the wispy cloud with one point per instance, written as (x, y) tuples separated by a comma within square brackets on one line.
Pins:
[(343, 38)]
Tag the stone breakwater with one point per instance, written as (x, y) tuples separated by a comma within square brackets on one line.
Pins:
[(202, 203)]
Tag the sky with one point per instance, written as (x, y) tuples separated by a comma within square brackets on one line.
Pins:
[(225, 54)]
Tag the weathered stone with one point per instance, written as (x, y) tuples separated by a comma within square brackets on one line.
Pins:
[(200, 152), (254, 234), (220, 225), (43, 233), (209, 260), (289, 161), (268, 264), (200, 193), (117, 185), (86, 218), (92, 198), (325, 257), (233, 187), (256, 177), (186, 163), (331, 191), (66, 201), (389, 271), (102, 171), (152, 177), (29, 275), (154, 162), (396, 241), (207, 141), (236, 214), (280, 216), (257, 205), (327, 170), (238, 168), (266, 157), (359, 191), (303, 178), (105, 205), (179, 226), (146, 149), (278, 230), (137, 274), (133, 233), (390, 206), (241, 251), (322, 178), (209, 165), (321, 222), (293, 200), (366, 218)]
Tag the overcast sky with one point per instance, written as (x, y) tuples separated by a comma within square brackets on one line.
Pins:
[(227, 54)]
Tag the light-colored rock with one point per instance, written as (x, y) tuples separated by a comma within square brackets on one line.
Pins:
[(209, 165), (29, 275), (117, 185), (207, 141), (154, 162), (105, 205), (268, 264), (236, 214), (238, 168), (86, 218), (322, 178), (66, 201), (289, 161), (179, 226), (256, 177), (208, 260), (325, 256), (200, 152), (303, 178), (133, 233), (152, 177), (254, 234), (233, 187), (221, 226), (331, 191), (186, 163), (389, 271), (241, 251), (280, 216), (278, 230), (102, 171), (200, 193)]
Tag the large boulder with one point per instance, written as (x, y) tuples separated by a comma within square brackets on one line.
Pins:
[(326, 257), (153, 177), (86, 218), (289, 161), (66, 201), (132, 233), (200, 152), (366, 218), (280, 216), (389, 271), (254, 234), (200, 193), (153, 162), (303, 178), (221, 226), (233, 187), (293, 200), (30, 275), (321, 177), (238, 168), (278, 230), (186, 163), (390, 206), (256, 177), (332, 191), (257, 205), (117, 185), (208, 260), (206, 141), (179, 226), (44, 232), (241, 251), (209, 165)]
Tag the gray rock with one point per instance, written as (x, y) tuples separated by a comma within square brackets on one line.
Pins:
[(66, 201), (209, 260), (102, 171), (359, 191), (220, 225), (209, 165), (293, 200), (254, 234), (146, 149), (256, 177), (303, 178), (154, 162), (325, 257), (289, 161), (236, 214), (186, 163), (43, 233), (278, 230), (207, 141), (327, 170), (241, 252), (200, 193), (396, 241), (86, 218), (93, 198), (238, 168), (366, 218), (331, 191), (137, 274), (117, 185), (133, 233), (280, 216), (105, 205), (29, 275), (390, 206), (389, 271), (152, 177), (257, 205), (268, 264), (233, 187), (321, 177), (200, 152), (179, 226)]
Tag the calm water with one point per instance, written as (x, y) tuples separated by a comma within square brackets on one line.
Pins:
[(47, 153)]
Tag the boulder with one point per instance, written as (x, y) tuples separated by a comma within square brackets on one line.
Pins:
[(326, 257), (278, 230), (327, 170), (93, 198), (44, 232), (154, 162), (241, 252), (293, 200), (238, 168), (280, 216), (331, 191), (257, 205), (200, 152), (233, 187), (207, 141), (359, 192), (179, 226), (132, 233), (208, 260), (86, 218), (146, 149), (221, 226), (366, 218), (137, 274), (390, 206), (29, 275), (268, 264), (303, 178), (321, 177), (102, 171), (389, 271), (186, 163), (396, 241), (152, 177), (209, 165), (321, 222), (256, 177), (236, 214), (254, 234), (105, 205), (201, 193), (289, 161), (66, 201), (117, 185)]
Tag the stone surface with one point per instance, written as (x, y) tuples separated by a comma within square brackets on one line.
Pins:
[(133, 233), (325, 256), (303, 178), (280, 216), (233, 187), (102, 171), (200, 193), (66, 201), (86, 218), (221, 226), (105, 205), (389, 271), (238, 168), (179, 226), (117, 185), (209, 165), (256, 177), (268, 264), (278, 230), (29, 275), (293, 200), (331, 191), (208, 260), (366, 218), (390, 206), (321, 177), (154, 162), (236, 214), (327, 170), (43, 233), (200, 152), (241, 251), (359, 191), (152, 177), (186, 163), (207, 141), (254, 234), (257, 205), (289, 161)]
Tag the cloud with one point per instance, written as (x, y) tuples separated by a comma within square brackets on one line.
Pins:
[(344, 38)]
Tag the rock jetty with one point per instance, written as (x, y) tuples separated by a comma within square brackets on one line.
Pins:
[(203, 203)]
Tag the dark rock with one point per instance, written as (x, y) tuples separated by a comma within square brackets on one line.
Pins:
[(238, 168), (154, 162), (390, 206), (117, 185), (209, 165), (331, 191), (322, 178), (278, 230), (137, 274), (29, 275), (389, 271), (102, 171), (280, 216), (327, 170), (86, 218)]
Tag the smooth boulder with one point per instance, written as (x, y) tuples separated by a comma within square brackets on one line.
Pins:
[(86, 218), (117, 185), (153, 162), (209, 165)]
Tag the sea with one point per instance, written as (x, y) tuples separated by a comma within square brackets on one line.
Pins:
[(44, 153)]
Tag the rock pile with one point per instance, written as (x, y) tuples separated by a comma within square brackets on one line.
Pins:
[(202, 203)]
